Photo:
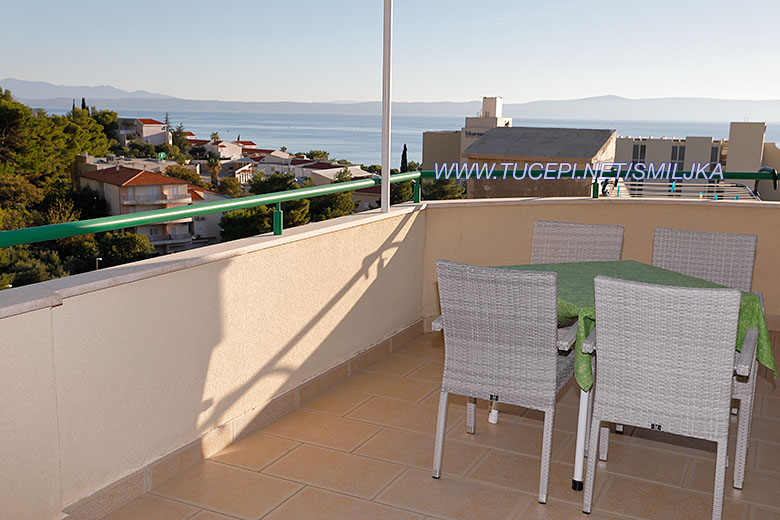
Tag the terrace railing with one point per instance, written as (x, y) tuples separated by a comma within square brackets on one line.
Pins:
[(84, 227)]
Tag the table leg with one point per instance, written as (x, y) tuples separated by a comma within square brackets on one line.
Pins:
[(579, 451)]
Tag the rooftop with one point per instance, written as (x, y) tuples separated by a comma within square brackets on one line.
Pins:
[(123, 176), (145, 121), (540, 142)]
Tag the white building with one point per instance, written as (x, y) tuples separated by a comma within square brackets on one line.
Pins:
[(145, 130)]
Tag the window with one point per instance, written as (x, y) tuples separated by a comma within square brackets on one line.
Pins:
[(638, 153), (714, 155), (153, 232), (678, 157)]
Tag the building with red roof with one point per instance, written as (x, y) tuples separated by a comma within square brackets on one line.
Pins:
[(129, 190)]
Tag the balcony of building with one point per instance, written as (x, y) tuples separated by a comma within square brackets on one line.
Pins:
[(296, 376)]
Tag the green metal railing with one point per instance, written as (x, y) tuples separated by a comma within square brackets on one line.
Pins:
[(84, 227)]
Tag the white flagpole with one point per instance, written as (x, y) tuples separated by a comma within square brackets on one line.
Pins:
[(386, 101)]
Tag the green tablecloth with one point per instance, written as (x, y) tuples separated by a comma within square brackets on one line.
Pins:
[(576, 300)]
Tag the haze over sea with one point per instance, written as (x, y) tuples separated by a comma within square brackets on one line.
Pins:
[(357, 137)]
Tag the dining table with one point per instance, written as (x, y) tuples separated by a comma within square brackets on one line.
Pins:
[(576, 301)]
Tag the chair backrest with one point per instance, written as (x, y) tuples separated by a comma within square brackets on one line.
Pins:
[(724, 258), (665, 356), (500, 330), (570, 242)]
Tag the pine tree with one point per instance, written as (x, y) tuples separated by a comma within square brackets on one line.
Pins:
[(402, 191), (83, 104), (404, 162), (442, 189)]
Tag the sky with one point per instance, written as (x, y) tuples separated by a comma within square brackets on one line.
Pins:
[(444, 50)]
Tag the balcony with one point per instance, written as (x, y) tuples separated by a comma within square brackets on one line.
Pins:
[(160, 198), (177, 238), (263, 390)]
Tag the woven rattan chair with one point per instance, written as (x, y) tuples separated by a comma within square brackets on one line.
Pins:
[(727, 259), (570, 242), (665, 364), (502, 343)]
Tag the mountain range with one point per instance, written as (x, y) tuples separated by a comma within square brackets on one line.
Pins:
[(39, 94)]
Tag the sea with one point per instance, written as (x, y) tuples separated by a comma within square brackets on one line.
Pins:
[(357, 137)]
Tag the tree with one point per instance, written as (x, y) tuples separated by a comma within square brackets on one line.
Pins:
[(231, 187), (402, 191), (83, 104), (167, 121), (296, 212), (178, 171), (243, 223), (215, 165), (318, 154), (121, 248), (108, 119), (443, 189), (215, 136), (179, 139), (26, 266), (335, 204)]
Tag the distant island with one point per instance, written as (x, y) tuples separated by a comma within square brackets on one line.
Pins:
[(47, 95)]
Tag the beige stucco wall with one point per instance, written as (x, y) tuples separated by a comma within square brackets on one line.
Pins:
[(142, 359), (440, 147), (746, 146), (499, 232)]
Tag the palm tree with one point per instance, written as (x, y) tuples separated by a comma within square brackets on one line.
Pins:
[(214, 164)]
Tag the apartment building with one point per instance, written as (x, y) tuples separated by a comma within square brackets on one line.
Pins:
[(128, 190), (146, 130), (447, 146), (538, 146)]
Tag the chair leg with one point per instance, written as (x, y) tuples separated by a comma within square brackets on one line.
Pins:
[(720, 479), (590, 474), (493, 415), (745, 420), (588, 420), (604, 443), (544, 473), (441, 426), (471, 414)]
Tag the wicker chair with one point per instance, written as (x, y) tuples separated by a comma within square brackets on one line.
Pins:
[(555, 242), (727, 259), (501, 343), (650, 365)]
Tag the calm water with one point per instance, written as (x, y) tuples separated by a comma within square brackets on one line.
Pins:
[(357, 138)]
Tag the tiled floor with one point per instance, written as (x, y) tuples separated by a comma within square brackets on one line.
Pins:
[(363, 450)]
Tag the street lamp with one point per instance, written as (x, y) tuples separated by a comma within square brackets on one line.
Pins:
[(98, 259)]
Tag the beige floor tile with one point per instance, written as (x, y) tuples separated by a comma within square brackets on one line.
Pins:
[(768, 385), (765, 429), (767, 456), (396, 365), (553, 510), (454, 400), (324, 430), (428, 351), (635, 461), (431, 371), (759, 487), (149, 507), (673, 443), (336, 402), (312, 503), (395, 387), (416, 449), (451, 498), (406, 416), (224, 489), (511, 436), (431, 338), (760, 513), (255, 452), (335, 470), (651, 501), (569, 395), (770, 406), (521, 472), (565, 418), (210, 515)]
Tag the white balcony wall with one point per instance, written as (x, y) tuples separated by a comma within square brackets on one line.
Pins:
[(142, 359)]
